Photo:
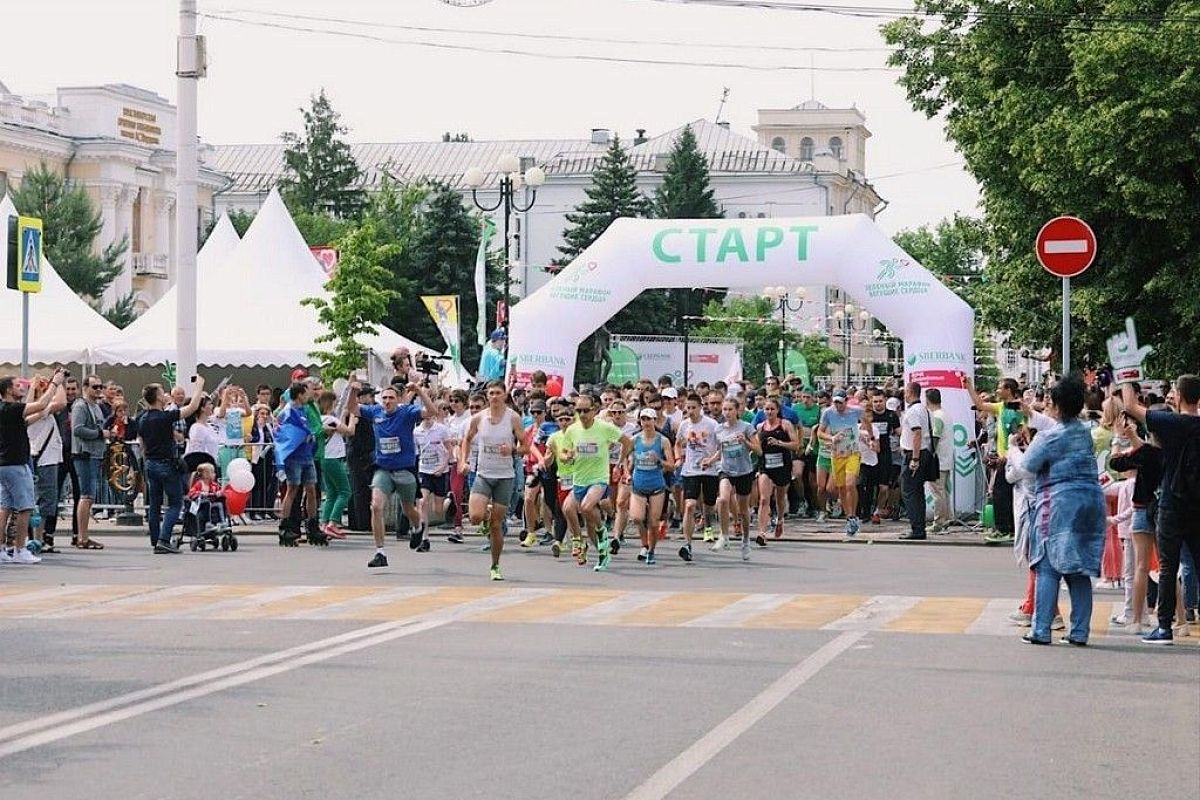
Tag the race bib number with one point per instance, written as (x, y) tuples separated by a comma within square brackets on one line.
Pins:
[(773, 460), (614, 454), (646, 461), (881, 429), (732, 449), (587, 449), (389, 445), (565, 482), (429, 459), (493, 450)]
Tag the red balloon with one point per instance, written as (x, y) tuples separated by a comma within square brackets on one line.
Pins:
[(236, 501), (554, 386)]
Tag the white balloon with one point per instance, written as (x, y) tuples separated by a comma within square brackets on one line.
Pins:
[(242, 481), (238, 465)]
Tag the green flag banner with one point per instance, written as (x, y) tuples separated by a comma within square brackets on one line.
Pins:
[(485, 236)]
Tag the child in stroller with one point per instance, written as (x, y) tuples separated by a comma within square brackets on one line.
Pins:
[(206, 519)]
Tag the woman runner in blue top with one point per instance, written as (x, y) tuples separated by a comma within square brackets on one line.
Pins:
[(651, 455)]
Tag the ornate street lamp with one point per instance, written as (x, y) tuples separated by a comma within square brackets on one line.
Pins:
[(781, 297)]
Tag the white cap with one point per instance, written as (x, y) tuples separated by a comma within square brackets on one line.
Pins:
[(893, 404), (670, 392)]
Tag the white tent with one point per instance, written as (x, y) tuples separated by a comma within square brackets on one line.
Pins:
[(61, 323), (248, 310)]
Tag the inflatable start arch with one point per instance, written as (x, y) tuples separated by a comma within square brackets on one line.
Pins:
[(934, 324)]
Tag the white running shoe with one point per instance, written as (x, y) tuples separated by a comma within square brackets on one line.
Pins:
[(23, 556), (719, 544), (6, 556)]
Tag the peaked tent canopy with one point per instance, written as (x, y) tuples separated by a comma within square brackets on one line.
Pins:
[(248, 310), (61, 323)]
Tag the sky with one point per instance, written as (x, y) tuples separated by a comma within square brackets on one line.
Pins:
[(398, 90)]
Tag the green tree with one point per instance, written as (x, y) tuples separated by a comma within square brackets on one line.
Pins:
[(359, 295), (320, 173), (71, 225), (441, 260), (755, 322), (1092, 110), (319, 228), (613, 194), (121, 313), (239, 218), (685, 192)]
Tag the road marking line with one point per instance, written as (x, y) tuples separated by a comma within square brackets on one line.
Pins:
[(468, 610), (67, 598), (119, 604), (406, 608), (687, 763), (239, 602), (680, 607), (938, 615), (602, 613), (348, 608), (874, 614), (1065, 246), (807, 612), (994, 621), (198, 603), (395, 630), (734, 614), (101, 706), (319, 597), (556, 605)]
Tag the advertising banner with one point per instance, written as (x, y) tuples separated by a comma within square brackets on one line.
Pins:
[(636, 357), (444, 310)]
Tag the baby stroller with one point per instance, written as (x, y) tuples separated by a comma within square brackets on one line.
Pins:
[(206, 520)]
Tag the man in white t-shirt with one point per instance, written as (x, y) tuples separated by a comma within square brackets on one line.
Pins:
[(915, 441), (695, 446), (944, 435), (433, 440)]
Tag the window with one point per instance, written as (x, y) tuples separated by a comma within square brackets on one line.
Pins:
[(1010, 358), (741, 215), (135, 235), (779, 144), (3, 183), (835, 147), (806, 149)]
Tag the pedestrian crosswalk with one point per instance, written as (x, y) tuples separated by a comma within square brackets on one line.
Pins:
[(973, 616)]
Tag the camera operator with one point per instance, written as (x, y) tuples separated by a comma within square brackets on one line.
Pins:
[(405, 371)]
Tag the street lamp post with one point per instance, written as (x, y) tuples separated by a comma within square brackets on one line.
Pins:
[(848, 324), (511, 180), (780, 296)]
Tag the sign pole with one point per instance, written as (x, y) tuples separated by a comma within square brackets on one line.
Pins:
[(24, 334), (1066, 326)]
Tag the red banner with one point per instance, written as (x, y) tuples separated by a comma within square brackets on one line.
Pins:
[(937, 378)]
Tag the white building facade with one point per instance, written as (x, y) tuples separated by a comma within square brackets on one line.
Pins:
[(118, 142)]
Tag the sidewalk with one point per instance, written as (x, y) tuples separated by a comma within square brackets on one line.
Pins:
[(830, 532)]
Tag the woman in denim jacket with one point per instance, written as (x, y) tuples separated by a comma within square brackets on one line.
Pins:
[(1066, 539)]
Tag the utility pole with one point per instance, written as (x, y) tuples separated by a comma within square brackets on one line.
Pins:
[(190, 67)]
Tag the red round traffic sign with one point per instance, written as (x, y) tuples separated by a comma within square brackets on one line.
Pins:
[(1066, 246)]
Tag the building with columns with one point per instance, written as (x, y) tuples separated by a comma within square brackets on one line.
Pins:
[(116, 141)]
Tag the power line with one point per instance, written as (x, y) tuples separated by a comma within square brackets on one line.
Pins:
[(536, 54), (558, 37)]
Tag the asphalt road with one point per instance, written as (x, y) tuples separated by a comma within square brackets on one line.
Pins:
[(813, 671)]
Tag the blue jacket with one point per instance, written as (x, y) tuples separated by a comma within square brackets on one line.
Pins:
[(1070, 516)]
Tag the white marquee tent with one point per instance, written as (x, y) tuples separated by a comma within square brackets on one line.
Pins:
[(248, 310), (61, 323)]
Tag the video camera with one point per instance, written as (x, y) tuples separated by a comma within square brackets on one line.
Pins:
[(428, 365)]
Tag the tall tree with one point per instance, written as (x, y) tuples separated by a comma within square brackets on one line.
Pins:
[(685, 193), (359, 294), (320, 174), (71, 224), (1092, 110), (612, 195)]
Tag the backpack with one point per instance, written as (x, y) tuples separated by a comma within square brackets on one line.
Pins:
[(1185, 483)]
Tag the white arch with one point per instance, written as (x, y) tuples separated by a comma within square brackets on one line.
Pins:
[(850, 251)]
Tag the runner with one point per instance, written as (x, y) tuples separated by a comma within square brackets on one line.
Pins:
[(737, 439), (559, 480), (780, 442), (671, 418), (395, 462), (588, 442), (695, 445), (840, 425), (887, 431), (618, 475), (295, 451), (456, 422), (651, 458), (498, 429), (434, 443), (817, 449)]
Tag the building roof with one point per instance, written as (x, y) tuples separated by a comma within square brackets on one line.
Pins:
[(256, 168)]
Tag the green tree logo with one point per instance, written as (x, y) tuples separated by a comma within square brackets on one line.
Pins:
[(888, 268)]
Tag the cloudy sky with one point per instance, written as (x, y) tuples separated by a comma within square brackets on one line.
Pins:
[(490, 75)]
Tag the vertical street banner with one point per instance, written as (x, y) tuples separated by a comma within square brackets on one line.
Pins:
[(444, 310), (485, 236)]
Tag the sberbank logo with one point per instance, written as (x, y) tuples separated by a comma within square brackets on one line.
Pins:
[(710, 245), (912, 361), (937, 356)]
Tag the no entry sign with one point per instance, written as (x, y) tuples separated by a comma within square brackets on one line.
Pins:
[(1066, 246)]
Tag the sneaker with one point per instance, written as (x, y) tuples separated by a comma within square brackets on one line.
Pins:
[(1020, 618), (423, 547), (1119, 619), (746, 549), (852, 526), (416, 536), (875, 519), (1057, 624), (1069, 640), (642, 555), (165, 548), (821, 517), (494, 574), (456, 537), (1029, 639), (760, 540), (6, 556), (546, 538), (602, 564), (650, 562), (23, 556), (614, 545), (332, 530), (1159, 636), (556, 548), (1178, 629), (719, 545), (380, 560), (685, 552), (530, 540), (709, 533)]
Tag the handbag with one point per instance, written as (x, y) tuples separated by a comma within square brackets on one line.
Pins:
[(931, 468)]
